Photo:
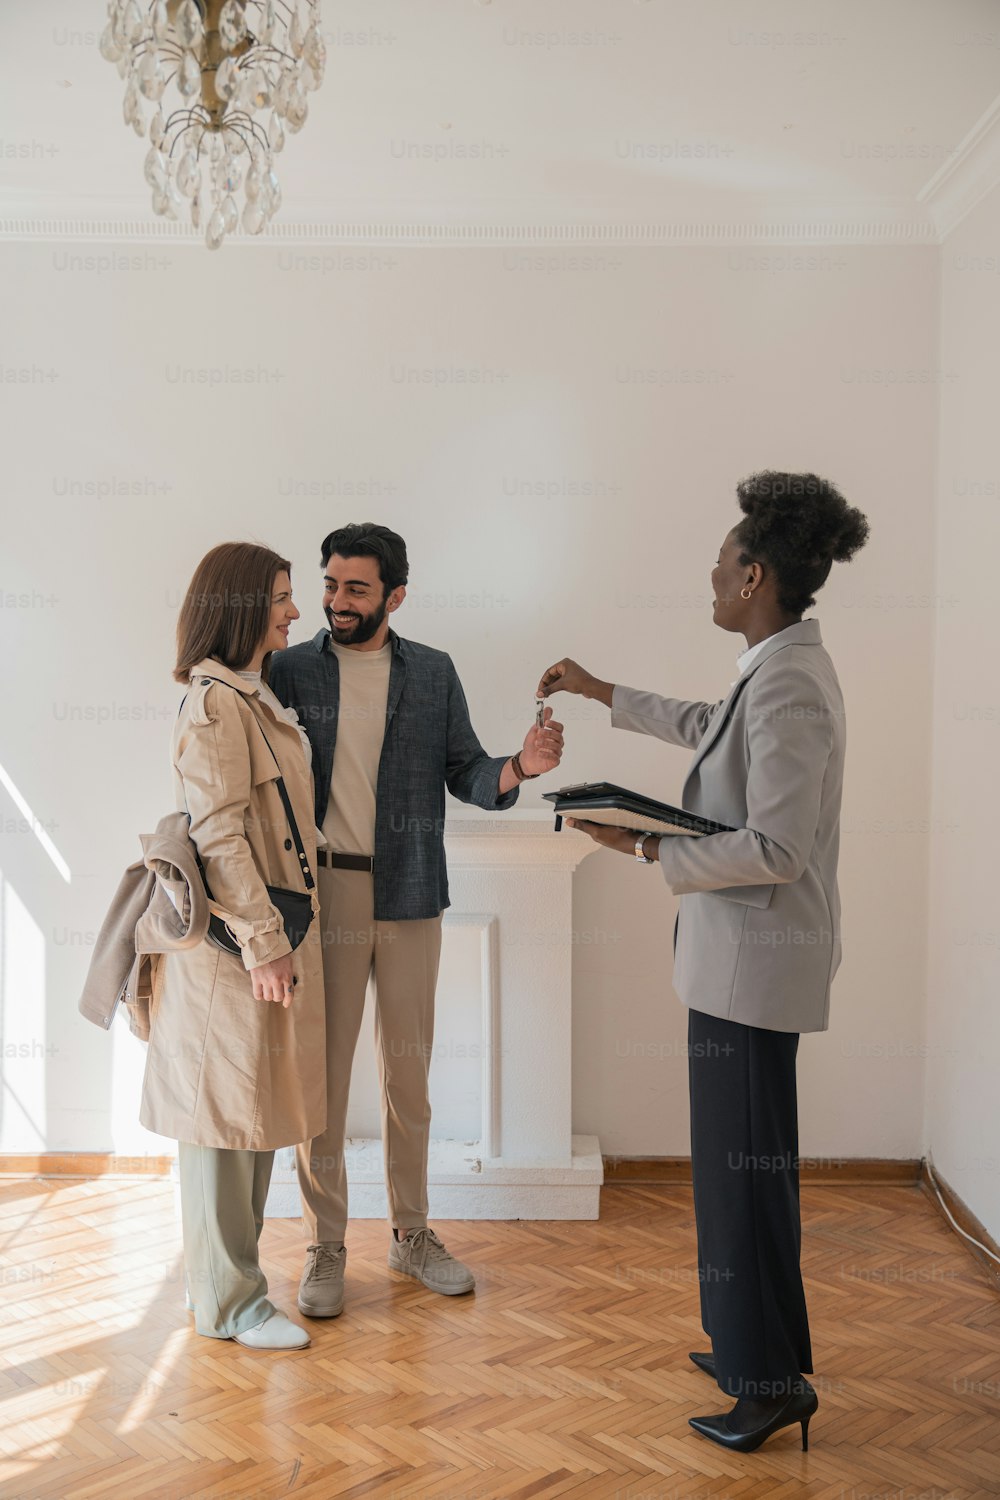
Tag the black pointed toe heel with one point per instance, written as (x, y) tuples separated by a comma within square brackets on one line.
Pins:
[(799, 1407), (704, 1362)]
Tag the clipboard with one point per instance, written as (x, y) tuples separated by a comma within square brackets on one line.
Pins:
[(603, 802)]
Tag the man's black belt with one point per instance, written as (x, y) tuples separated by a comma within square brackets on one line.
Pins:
[(345, 861)]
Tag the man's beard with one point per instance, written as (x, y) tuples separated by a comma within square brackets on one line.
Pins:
[(357, 634)]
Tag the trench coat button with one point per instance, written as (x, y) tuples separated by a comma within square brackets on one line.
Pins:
[(206, 681), (288, 843)]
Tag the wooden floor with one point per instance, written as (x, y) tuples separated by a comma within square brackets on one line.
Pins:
[(565, 1375)]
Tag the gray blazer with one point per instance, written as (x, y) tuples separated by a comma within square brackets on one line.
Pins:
[(758, 936)]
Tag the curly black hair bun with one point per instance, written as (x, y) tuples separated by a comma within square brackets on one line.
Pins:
[(798, 525), (852, 537)]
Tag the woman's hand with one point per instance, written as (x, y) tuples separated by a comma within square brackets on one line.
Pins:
[(274, 981), (622, 840), (567, 676)]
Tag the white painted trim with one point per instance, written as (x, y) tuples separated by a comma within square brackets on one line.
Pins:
[(462, 1184), (488, 929), (505, 843), (967, 176)]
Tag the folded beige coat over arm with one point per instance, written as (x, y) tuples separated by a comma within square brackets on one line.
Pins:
[(160, 906)]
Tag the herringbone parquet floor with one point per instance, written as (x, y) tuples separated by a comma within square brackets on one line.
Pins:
[(565, 1375)]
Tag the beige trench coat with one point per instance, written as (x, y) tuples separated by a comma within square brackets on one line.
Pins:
[(224, 1069)]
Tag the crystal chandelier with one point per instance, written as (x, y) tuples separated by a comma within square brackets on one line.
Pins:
[(242, 69)]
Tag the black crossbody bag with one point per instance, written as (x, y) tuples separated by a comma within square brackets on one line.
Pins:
[(294, 907)]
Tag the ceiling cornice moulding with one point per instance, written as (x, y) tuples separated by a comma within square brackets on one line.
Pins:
[(972, 171), (118, 229)]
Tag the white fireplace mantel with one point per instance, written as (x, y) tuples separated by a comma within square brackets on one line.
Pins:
[(510, 879)]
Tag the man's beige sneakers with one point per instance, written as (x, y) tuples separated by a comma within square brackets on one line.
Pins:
[(421, 1255), (321, 1290)]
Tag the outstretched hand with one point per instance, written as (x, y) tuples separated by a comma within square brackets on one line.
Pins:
[(567, 676)]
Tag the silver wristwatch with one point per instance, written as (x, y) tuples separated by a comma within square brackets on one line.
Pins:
[(638, 849)]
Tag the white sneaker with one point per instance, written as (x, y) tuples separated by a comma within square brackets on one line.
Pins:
[(275, 1332)]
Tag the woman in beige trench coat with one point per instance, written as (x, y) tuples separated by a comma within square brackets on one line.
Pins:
[(235, 1066)]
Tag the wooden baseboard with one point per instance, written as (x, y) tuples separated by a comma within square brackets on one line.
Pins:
[(812, 1170), (636, 1169), (964, 1218)]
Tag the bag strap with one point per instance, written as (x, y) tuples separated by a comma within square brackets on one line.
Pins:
[(307, 874)]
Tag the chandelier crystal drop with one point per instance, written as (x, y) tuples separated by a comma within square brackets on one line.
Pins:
[(225, 78)]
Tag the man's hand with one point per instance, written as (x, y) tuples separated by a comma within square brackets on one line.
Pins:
[(542, 749), (567, 676), (274, 981)]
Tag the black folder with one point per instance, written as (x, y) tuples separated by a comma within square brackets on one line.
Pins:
[(602, 802)]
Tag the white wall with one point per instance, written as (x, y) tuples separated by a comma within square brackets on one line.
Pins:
[(553, 504), (963, 1014)]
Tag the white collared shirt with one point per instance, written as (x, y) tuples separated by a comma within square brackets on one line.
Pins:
[(747, 657), (750, 654)]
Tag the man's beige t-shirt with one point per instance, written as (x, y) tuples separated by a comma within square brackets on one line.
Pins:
[(349, 825)]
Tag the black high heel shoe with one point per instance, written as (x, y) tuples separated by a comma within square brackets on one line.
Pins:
[(704, 1362), (799, 1407)]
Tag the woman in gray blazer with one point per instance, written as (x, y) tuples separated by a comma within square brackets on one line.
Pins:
[(757, 939)]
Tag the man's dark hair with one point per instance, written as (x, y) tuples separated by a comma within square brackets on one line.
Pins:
[(798, 525), (365, 539)]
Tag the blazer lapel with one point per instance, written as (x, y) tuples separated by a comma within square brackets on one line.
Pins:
[(397, 676), (714, 729), (805, 633), (327, 697)]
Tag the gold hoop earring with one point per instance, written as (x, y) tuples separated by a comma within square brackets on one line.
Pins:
[(745, 593)]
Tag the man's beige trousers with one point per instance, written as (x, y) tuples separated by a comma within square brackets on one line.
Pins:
[(405, 958)]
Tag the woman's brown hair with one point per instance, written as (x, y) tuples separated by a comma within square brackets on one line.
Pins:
[(227, 608)]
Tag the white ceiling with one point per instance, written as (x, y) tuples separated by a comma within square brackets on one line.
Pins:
[(490, 118)]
